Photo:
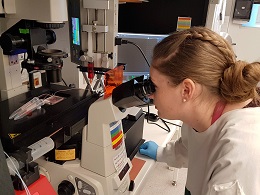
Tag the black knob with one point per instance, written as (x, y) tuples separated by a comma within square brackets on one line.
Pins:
[(66, 188), (51, 36), (131, 186)]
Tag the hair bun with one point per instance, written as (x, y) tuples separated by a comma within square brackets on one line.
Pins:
[(239, 82)]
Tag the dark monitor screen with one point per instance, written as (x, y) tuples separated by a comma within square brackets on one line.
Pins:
[(160, 16)]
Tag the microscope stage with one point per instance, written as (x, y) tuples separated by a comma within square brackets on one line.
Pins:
[(66, 114)]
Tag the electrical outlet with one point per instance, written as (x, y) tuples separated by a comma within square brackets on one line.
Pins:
[(13, 60)]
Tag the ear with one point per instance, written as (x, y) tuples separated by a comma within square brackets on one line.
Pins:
[(188, 89)]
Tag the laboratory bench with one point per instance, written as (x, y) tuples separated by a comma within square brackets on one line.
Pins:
[(142, 165)]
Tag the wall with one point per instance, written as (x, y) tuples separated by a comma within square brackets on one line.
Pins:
[(247, 46), (247, 39)]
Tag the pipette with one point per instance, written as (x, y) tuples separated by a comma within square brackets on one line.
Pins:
[(27, 108)]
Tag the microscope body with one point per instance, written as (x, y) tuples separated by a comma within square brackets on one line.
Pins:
[(104, 166)]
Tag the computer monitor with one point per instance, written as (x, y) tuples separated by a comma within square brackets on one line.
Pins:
[(130, 55), (160, 16)]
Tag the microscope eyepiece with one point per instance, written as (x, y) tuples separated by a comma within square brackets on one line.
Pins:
[(144, 89), (133, 93)]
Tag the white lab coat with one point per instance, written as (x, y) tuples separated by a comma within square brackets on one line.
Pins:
[(224, 159)]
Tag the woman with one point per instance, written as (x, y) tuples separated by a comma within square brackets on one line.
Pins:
[(199, 81)]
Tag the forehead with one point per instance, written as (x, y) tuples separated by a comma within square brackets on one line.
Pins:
[(157, 77)]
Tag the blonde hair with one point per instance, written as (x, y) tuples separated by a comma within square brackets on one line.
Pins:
[(205, 57)]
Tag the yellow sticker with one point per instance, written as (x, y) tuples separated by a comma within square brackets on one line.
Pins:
[(69, 154), (13, 135)]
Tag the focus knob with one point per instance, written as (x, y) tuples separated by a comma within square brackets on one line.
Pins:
[(66, 188)]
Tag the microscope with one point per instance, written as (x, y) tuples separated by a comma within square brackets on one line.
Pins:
[(25, 35), (104, 165), (85, 144)]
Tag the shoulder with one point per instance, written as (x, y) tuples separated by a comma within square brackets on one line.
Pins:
[(236, 145), (240, 120), (237, 127)]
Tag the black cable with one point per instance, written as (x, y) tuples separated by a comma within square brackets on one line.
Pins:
[(170, 123), (64, 82), (140, 51), (163, 120), (120, 41), (147, 119)]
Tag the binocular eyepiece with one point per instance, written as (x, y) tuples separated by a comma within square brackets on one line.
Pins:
[(133, 93), (144, 88)]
